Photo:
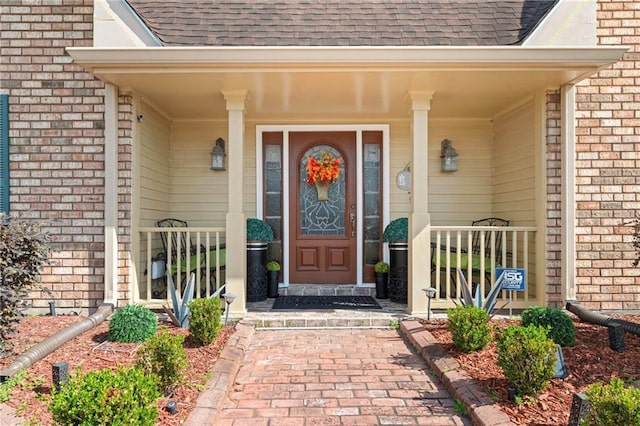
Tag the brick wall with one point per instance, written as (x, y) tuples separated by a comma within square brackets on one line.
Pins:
[(57, 144), (57, 156), (608, 172)]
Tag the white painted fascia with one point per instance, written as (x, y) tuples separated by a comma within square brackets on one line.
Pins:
[(454, 57), (568, 23)]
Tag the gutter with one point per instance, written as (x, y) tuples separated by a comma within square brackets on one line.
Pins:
[(54, 342)]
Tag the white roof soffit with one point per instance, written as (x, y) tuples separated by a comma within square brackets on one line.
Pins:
[(315, 83)]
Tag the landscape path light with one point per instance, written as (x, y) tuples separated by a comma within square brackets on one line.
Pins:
[(228, 299), (431, 293)]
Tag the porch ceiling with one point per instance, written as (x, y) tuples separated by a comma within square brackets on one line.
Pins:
[(325, 83)]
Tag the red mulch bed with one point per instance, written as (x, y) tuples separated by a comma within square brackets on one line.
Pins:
[(590, 360), (87, 352)]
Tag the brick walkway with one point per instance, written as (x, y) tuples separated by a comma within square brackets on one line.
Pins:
[(335, 377)]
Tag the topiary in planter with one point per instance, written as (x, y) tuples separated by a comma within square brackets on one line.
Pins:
[(273, 266), (259, 235), (259, 230), (396, 234), (396, 230), (381, 267), (132, 324), (381, 270)]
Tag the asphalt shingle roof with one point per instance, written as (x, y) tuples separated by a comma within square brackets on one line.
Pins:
[(341, 22)]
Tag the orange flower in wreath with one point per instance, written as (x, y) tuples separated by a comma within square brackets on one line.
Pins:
[(325, 170)]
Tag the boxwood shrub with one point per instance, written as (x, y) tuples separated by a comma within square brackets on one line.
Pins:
[(205, 322), (612, 404), (106, 397), (559, 323), (527, 357), (469, 327), (163, 357)]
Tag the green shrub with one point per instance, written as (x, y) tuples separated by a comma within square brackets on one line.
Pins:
[(107, 397), (612, 404), (205, 322), (164, 357), (469, 327), (259, 230), (273, 266), (24, 249), (381, 267), (132, 324), (561, 327), (527, 357), (396, 230)]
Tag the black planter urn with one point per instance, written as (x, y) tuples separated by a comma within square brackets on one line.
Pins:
[(382, 278), (256, 271), (273, 284), (398, 268)]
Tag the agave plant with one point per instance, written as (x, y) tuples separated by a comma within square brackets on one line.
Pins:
[(490, 301), (180, 313)]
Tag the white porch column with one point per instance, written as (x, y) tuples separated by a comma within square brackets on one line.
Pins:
[(236, 266), (568, 214), (419, 218), (111, 194)]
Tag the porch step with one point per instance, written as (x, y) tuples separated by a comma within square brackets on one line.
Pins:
[(324, 320), (264, 317)]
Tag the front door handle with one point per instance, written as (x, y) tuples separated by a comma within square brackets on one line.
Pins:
[(352, 219)]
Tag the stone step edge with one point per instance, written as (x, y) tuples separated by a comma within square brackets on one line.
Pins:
[(480, 407)]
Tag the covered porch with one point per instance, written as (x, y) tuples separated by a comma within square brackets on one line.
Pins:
[(490, 102)]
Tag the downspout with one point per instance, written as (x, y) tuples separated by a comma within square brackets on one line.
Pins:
[(568, 189), (52, 343), (111, 194), (602, 320)]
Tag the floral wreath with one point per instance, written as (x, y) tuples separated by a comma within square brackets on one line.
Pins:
[(326, 169)]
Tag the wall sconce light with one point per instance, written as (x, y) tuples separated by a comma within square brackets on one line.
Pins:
[(217, 155), (403, 178), (449, 162)]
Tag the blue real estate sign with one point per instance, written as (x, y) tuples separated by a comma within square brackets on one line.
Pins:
[(514, 278)]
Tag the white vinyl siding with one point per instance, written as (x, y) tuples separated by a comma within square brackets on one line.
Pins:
[(154, 167), (514, 166), (455, 198), (199, 194)]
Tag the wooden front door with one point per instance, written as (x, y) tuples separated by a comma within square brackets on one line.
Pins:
[(322, 232)]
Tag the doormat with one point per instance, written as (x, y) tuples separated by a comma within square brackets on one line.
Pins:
[(325, 302)]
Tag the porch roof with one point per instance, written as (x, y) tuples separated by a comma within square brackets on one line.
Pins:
[(341, 22), (324, 82)]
